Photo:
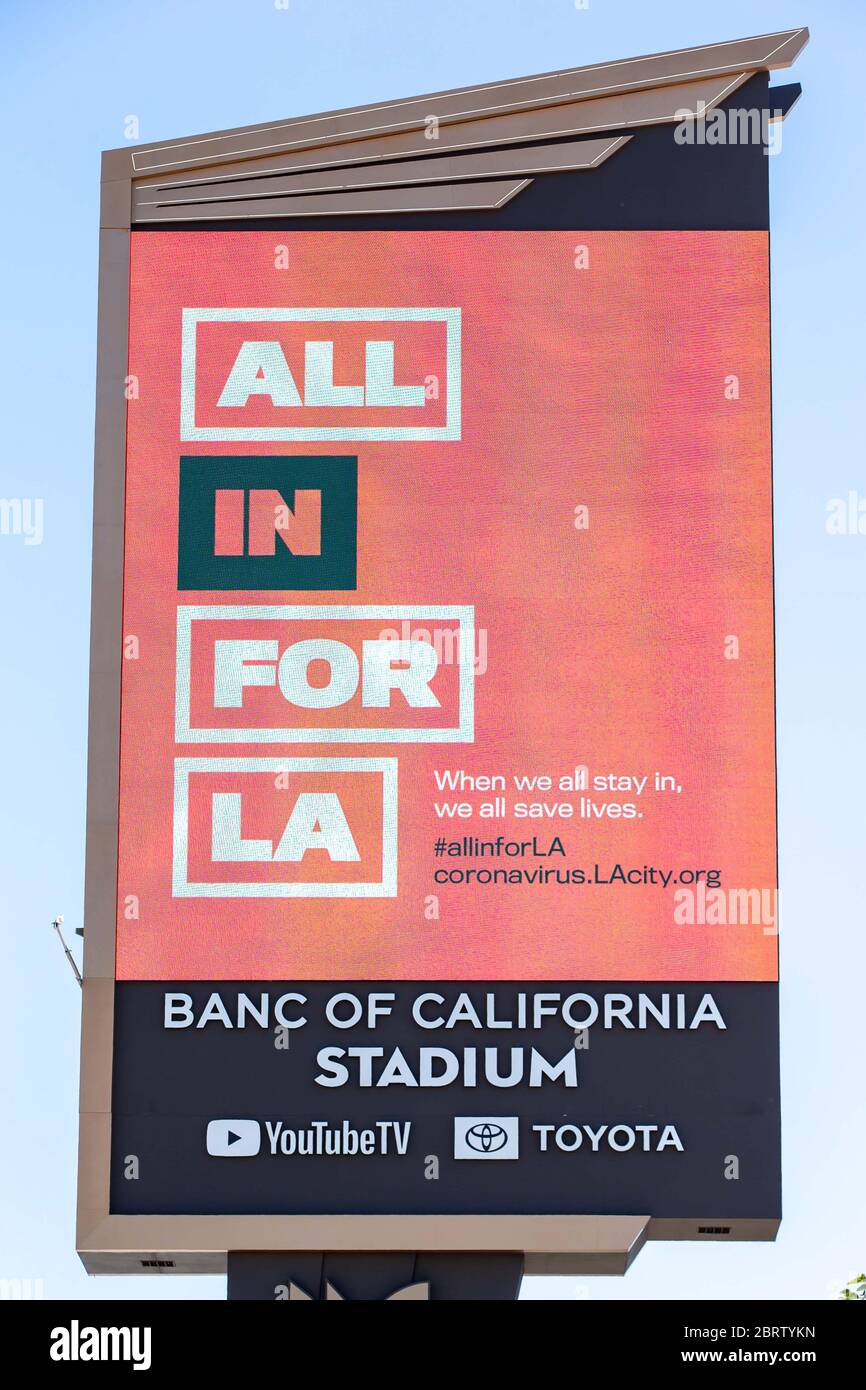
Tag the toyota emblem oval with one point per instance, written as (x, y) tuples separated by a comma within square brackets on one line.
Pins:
[(486, 1138)]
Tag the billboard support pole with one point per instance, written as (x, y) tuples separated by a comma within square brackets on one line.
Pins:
[(292, 1276)]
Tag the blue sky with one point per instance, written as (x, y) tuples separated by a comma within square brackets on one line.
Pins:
[(71, 76)]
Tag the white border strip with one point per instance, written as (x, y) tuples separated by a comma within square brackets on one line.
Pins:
[(463, 732), (385, 888), (192, 433)]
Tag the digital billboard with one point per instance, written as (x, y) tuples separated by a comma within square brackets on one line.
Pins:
[(519, 734), (506, 739), (439, 884)]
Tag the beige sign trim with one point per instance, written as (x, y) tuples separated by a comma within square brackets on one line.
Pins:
[(437, 197), (600, 80), (629, 111), (164, 200)]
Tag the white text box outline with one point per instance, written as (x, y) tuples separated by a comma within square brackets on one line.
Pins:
[(187, 614), (192, 433), (181, 886)]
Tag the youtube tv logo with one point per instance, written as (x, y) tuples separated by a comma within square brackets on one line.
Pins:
[(233, 1138)]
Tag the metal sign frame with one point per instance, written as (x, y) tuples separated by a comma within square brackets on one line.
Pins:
[(495, 145)]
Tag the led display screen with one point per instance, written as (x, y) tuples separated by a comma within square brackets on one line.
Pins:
[(448, 608)]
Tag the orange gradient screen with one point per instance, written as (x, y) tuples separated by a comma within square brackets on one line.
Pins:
[(538, 465)]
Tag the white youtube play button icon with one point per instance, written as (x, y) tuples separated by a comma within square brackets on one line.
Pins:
[(233, 1138)]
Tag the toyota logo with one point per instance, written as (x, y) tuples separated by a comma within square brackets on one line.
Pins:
[(486, 1138)]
